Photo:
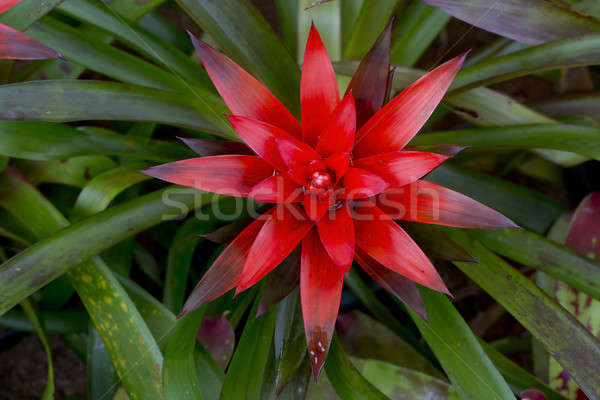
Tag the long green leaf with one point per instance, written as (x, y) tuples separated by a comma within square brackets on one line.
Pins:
[(74, 100), (552, 258), (470, 370), (373, 17), (64, 321), (574, 52), (31, 269), (577, 139), (27, 12), (134, 9), (243, 34), (74, 171), (347, 381), (102, 378), (31, 313), (561, 334), (247, 367)]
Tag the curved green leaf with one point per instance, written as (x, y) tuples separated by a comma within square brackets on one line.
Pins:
[(573, 138), (63, 321), (552, 258), (134, 9), (562, 335), (244, 35), (31, 269), (579, 51), (75, 100), (470, 370)]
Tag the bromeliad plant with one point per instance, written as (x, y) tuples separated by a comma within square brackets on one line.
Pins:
[(325, 145), (337, 182)]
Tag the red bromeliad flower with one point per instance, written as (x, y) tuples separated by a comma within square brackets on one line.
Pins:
[(338, 181), (17, 45)]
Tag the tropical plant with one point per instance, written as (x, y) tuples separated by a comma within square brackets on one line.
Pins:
[(96, 251)]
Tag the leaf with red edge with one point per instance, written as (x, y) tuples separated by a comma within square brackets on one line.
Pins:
[(336, 230), (427, 202), (217, 336), (263, 139), (320, 290), (360, 183), (370, 81), (338, 135), (6, 5), (208, 147), (392, 127), (280, 282), (277, 189), (225, 272), (399, 168), (401, 287), (232, 175), (243, 94), (319, 91), (17, 45), (381, 238), (284, 229)]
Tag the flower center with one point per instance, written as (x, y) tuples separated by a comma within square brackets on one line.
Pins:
[(320, 180)]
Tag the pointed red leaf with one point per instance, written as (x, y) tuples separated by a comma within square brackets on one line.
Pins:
[(320, 291), (279, 236), (17, 45), (398, 122), (262, 138), (277, 189), (381, 238), (229, 175), (315, 206), (336, 231), (295, 153), (370, 81), (225, 272), (319, 91), (403, 288), (360, 183), (6, 5), (338, 163), (243, 94), (338, 135), (427, 202), (400, 168), (208, 147)]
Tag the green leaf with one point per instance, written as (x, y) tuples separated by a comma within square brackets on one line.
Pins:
[(373, 17), (42, 262), (416, 29), (179, 371), (288, 20), (347, 381), (585, 105), (31, 313), (75, 100), (74, 171), (134, 9), (110, 308), (247, 367), (173, 60), (526, 21), (580, 51), (102, 378), (470, 370), (103, 58), (573, 138), (550, 257), (327, 20), (27, 12), (244, 35), (562, 336), (101, 190)]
